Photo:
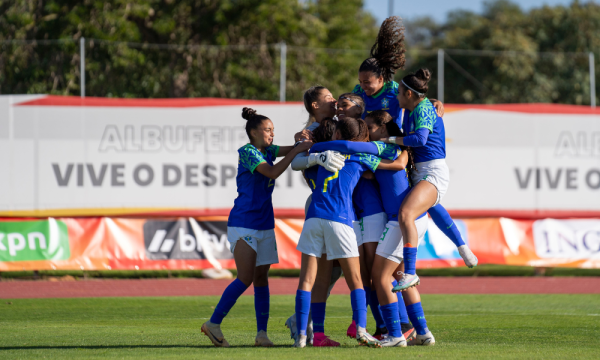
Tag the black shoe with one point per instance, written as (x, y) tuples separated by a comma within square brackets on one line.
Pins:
[(408, 331), (380, 332)]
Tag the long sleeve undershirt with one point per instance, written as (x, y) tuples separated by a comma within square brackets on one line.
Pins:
[(418, 138)]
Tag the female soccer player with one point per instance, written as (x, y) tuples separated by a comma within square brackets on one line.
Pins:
[(329, 227), (320, 104), (251, 225), (426, 136), (380, 92), (394, 187)]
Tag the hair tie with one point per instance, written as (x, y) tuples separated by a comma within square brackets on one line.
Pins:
[(352, 101), (415, 91)]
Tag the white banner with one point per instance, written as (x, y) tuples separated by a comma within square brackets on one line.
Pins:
[(116, 156)]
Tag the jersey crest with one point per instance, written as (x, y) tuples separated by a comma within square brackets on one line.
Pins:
[(384, 104)]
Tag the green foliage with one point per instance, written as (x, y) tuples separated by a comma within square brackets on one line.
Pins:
[(465, 326), (534, 74), (221, 48)]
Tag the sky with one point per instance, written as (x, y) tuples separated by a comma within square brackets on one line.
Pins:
[(438, 9)]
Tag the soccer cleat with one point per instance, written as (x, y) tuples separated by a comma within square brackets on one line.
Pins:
[(423, 340), (380, 333), (300, 341), (351, 332), (391, 341), (468, 257), (262, 339), (364, 338), (408, 331), (290, 323), (214, 333), (320, 340), (406, 282)]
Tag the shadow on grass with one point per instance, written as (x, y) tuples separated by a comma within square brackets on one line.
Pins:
[(100, 347)]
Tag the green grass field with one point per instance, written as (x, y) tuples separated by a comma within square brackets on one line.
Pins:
[(465, 326)]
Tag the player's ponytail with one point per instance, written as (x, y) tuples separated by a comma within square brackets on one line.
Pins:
[(310, 96), (387, 54), (352, 129), (417, 82), (253, 120)]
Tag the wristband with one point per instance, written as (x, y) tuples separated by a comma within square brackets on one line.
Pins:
[(298, 143), (392, 139)]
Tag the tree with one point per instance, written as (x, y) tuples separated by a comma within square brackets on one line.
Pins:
[(223, 48)]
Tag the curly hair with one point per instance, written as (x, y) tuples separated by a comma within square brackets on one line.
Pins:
[(387, 54)]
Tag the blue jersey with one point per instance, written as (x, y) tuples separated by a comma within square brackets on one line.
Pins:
[(311, 176), (366, 198), (253, 208), (386, 99), (425, 116), (332, 199)]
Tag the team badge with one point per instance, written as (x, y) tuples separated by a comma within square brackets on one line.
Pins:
[(384, 103)]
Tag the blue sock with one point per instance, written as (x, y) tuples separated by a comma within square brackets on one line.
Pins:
[(359, 307), (367, 290), (318, 317), (417, 317), (262, 302), (375, 309), (444, 222), (302, 310), (402, 308), (392, 320), (410, 260), (228, 299)]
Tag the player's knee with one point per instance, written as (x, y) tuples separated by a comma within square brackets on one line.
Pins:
[(406, 216)]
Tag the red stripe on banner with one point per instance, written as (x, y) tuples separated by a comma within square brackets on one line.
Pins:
[(529, 108), (52, 100)]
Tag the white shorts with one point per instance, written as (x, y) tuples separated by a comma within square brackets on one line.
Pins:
[(261, 241), (356, 226), (391, 246), (372, 227), (336, 238), (436, 172)]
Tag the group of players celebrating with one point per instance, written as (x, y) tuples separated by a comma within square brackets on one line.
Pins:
[(374, 160)]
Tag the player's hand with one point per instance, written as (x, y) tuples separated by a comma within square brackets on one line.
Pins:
[(439, 107), (331, 160), (303, 135), (304, 145)]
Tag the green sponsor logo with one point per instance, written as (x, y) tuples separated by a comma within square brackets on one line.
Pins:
[(34, 240)]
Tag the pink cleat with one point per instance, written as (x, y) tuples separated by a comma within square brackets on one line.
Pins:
[(351, 333), (320, 340)]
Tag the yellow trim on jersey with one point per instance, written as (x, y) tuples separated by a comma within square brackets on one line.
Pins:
[(313, 182), (334, 176)]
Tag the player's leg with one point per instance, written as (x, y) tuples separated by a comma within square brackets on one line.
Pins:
[(444, 222), (319, 296), (412, 299), (262, 302), (308, 274), (382, 271), (369, 249), (422, 197), (407, 329), (245, 263)]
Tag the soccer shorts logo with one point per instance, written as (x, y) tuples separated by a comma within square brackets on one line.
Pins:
[(248, 239), (384, 234)]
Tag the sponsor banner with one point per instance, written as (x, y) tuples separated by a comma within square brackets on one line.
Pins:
[(199, 243), (67, 156)]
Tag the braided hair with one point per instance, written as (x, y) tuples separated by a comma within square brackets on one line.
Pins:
[(253, 120), (387, 54)]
